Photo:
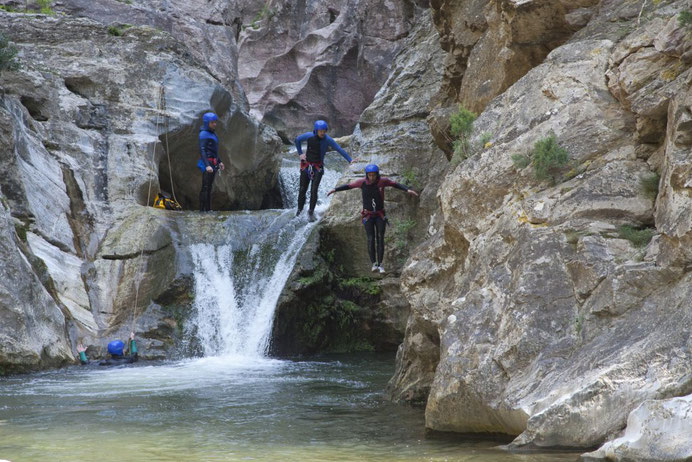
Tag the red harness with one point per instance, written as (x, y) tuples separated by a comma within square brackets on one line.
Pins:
[(305, 164), (368, 214)]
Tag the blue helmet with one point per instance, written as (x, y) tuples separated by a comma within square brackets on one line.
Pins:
[(208, 117), (116, 347), (321, 125), (372, 168)]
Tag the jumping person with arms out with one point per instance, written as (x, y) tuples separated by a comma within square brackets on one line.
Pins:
[(115, 348), (209, 162), (312, 163), (373, 215)]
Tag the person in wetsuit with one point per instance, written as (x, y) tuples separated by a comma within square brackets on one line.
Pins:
[(312, 163), (373, 214), (209, 162), (115, 348)]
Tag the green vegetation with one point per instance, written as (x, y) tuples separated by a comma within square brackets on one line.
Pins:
[(521, 161), (639, 237), (461, 125), (9, 9), (485, 140), (317, 276), (118, 31), (8, 55), (650, 185), (21, 231), (45, 7), (264, 13), (685, 18), (410, 178), (363, 285), (548, 157), (333, 326), (579, 323), (401, 234)]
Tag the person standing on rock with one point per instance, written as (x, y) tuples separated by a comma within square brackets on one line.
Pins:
[(116, 350), (312, 163), (373, 214), (209, 162)]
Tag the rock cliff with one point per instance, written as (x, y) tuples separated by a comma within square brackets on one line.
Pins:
[(301, 61), (85, 122), (537, 307)]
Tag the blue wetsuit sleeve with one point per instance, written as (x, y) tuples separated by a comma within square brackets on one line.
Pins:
[(299, 141), (338, 148), (83, 358), (203, 148)]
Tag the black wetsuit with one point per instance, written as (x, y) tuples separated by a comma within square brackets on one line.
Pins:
[(209, 154), (373, 215), (312, 170)]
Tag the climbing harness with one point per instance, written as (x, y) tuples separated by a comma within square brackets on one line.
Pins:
[(311, 167)]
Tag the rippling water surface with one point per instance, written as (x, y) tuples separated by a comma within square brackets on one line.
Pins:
[(224, 409)]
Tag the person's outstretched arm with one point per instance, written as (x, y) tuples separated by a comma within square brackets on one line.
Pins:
[(387, 182), (337, 148), (345, 187)]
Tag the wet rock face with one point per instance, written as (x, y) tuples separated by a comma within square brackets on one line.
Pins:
[(554, 323), (33, 326), (301, 61), (78, 151)]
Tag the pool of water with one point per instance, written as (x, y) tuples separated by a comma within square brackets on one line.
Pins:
[(224, 409)]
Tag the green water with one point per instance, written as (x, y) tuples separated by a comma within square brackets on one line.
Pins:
[(224, 409)]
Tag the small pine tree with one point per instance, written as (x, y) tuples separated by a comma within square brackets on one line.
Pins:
[(8, 55), (461, 125), (548, 157)]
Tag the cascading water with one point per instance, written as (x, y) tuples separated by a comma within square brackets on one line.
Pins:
[(238, 282)]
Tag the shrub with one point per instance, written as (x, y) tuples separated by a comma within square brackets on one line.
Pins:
[(521, 160), (45, 6), (461, 125), (485, 140), (548, 157), (639, 237), (401, 231), (8, 55), (410, 178), (118, 31), (685, 18), (650, 185)]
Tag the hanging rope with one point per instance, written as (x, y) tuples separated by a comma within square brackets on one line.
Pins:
[(159, 111), (168, 155)]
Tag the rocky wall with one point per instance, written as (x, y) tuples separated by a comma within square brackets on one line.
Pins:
[(83, 115), (553, 321)]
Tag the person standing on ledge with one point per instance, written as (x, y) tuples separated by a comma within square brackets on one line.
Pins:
[(209, 162), (312, 163), (373, 215)]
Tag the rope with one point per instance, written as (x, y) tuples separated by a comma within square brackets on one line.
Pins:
[(168, 155), (138, 275)]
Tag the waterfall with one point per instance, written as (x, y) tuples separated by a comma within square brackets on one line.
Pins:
[(239, 279)]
